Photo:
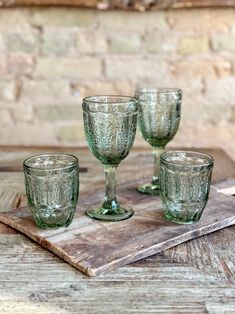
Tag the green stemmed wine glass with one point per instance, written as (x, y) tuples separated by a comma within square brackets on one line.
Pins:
[(110, 127), (158, 119)]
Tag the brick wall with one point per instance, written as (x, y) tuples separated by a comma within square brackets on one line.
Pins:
[(50, 58)]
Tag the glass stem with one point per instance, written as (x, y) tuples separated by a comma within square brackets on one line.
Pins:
[(110, 201), (157, 151)]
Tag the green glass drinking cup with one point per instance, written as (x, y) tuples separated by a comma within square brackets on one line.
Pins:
[(52, 188), (185, 184)]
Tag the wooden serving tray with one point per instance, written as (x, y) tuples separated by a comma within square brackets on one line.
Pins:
[(94, 246)]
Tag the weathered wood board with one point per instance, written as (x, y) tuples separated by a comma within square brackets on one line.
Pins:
[(94, 247), (140, 5)]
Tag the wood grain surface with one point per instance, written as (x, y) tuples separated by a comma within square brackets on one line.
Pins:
[(140, 5), (197, 276), (94, 246)]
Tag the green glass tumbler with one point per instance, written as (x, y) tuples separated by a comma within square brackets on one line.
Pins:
[(158, 119), (52, 188), (110, 128), (185, 184)]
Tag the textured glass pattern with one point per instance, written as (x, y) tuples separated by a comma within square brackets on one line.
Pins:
[(159, 116), (185, 185), (158, 119), (110, 128), (52, 186)]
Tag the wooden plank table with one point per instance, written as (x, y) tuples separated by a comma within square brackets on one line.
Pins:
[(195, 277)]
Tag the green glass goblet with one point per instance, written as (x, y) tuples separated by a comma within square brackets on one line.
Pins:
[(110, 128), (158, 119)]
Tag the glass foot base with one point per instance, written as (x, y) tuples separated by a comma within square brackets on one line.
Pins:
[(49, 223), (180, 221), (149, 189), (42, 225), (104, 214)]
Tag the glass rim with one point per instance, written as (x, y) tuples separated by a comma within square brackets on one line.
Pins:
[(125, 99), (158, 90), (209, 160), (75, 162)]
